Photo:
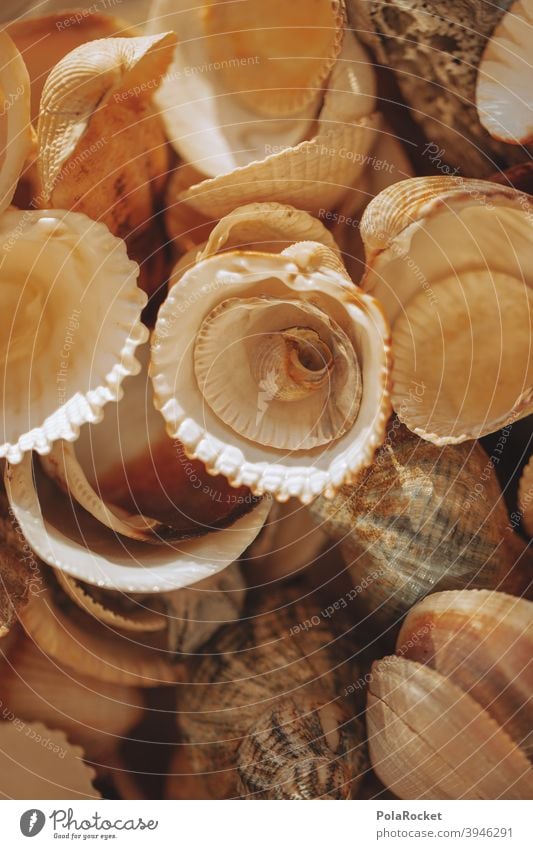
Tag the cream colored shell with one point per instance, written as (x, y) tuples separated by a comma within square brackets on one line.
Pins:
[(306, 274), (15, 123), (450, 261), (70, 326)]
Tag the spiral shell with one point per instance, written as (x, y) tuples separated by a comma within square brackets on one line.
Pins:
[(225, 415), (15, 124)]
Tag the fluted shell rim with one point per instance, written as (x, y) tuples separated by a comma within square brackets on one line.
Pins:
[(106, 252), (277, 480)]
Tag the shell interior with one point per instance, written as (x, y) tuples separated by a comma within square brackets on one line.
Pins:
[(15, 124), (503, 92)]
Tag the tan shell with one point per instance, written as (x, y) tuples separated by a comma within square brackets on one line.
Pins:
[(503, 94), (266, 227), (93, 714), (15, 124), (445, 729), (70, 326), (449, 259), (419, 520), (307, 278), (312, 172), (101, 142), (16, 573), (482, 641), (263, 715), (45, 40), (71, 637), (525, 497), (39, 763)]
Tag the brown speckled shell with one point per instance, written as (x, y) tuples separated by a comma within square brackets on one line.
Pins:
[(263, 712)]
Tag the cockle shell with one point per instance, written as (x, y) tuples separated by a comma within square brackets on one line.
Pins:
[(435, 53), (39, 763), (266, 227), (94, 714), (450, 261), (74, 639), (503, 96), (15, 124), (419, 520), (102, 148), (453, 726), (525, 497), (70, 326), (241, 426), (307, 160), (44, 41), (263, 714)]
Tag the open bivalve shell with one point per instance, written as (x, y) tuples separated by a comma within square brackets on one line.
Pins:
[(96, 109), (525, 497), (450, 261), (71, 323), (39, 763), (503, 91), (272, 369), (245, 138), (448, 717), (15, 124)]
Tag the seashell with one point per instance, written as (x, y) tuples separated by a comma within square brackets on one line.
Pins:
[(435, 54), (69, 330), (449, 260), (95, 715), (422, 520), (45, 40), (71, 637), (306, 159), (443, 729), (16, 575), (288, 543), (265, 227), (227, 415), (525, 497), (15, 126), (503, 99), (254, 727), (127, 466), (38, 763), (96, 107)]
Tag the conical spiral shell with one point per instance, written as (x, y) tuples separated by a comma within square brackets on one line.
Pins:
[(419, 520), (263, 716)]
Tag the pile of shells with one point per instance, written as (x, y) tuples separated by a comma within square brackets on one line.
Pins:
[(267, 385)]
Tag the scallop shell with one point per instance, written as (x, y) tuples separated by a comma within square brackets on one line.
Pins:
[(435, 54), (449, 729), (255, 726), (71, 324), (76, 641), (449, 259), (15, 125), (101, 140), (303, 289), (419, 520), (525, 497), (265, 227), (95, 715), (310, 170), (39, 763), (503, 96), (45, 40)]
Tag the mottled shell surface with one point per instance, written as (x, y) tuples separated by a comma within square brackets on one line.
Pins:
[(422, 519), (262, 713)]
